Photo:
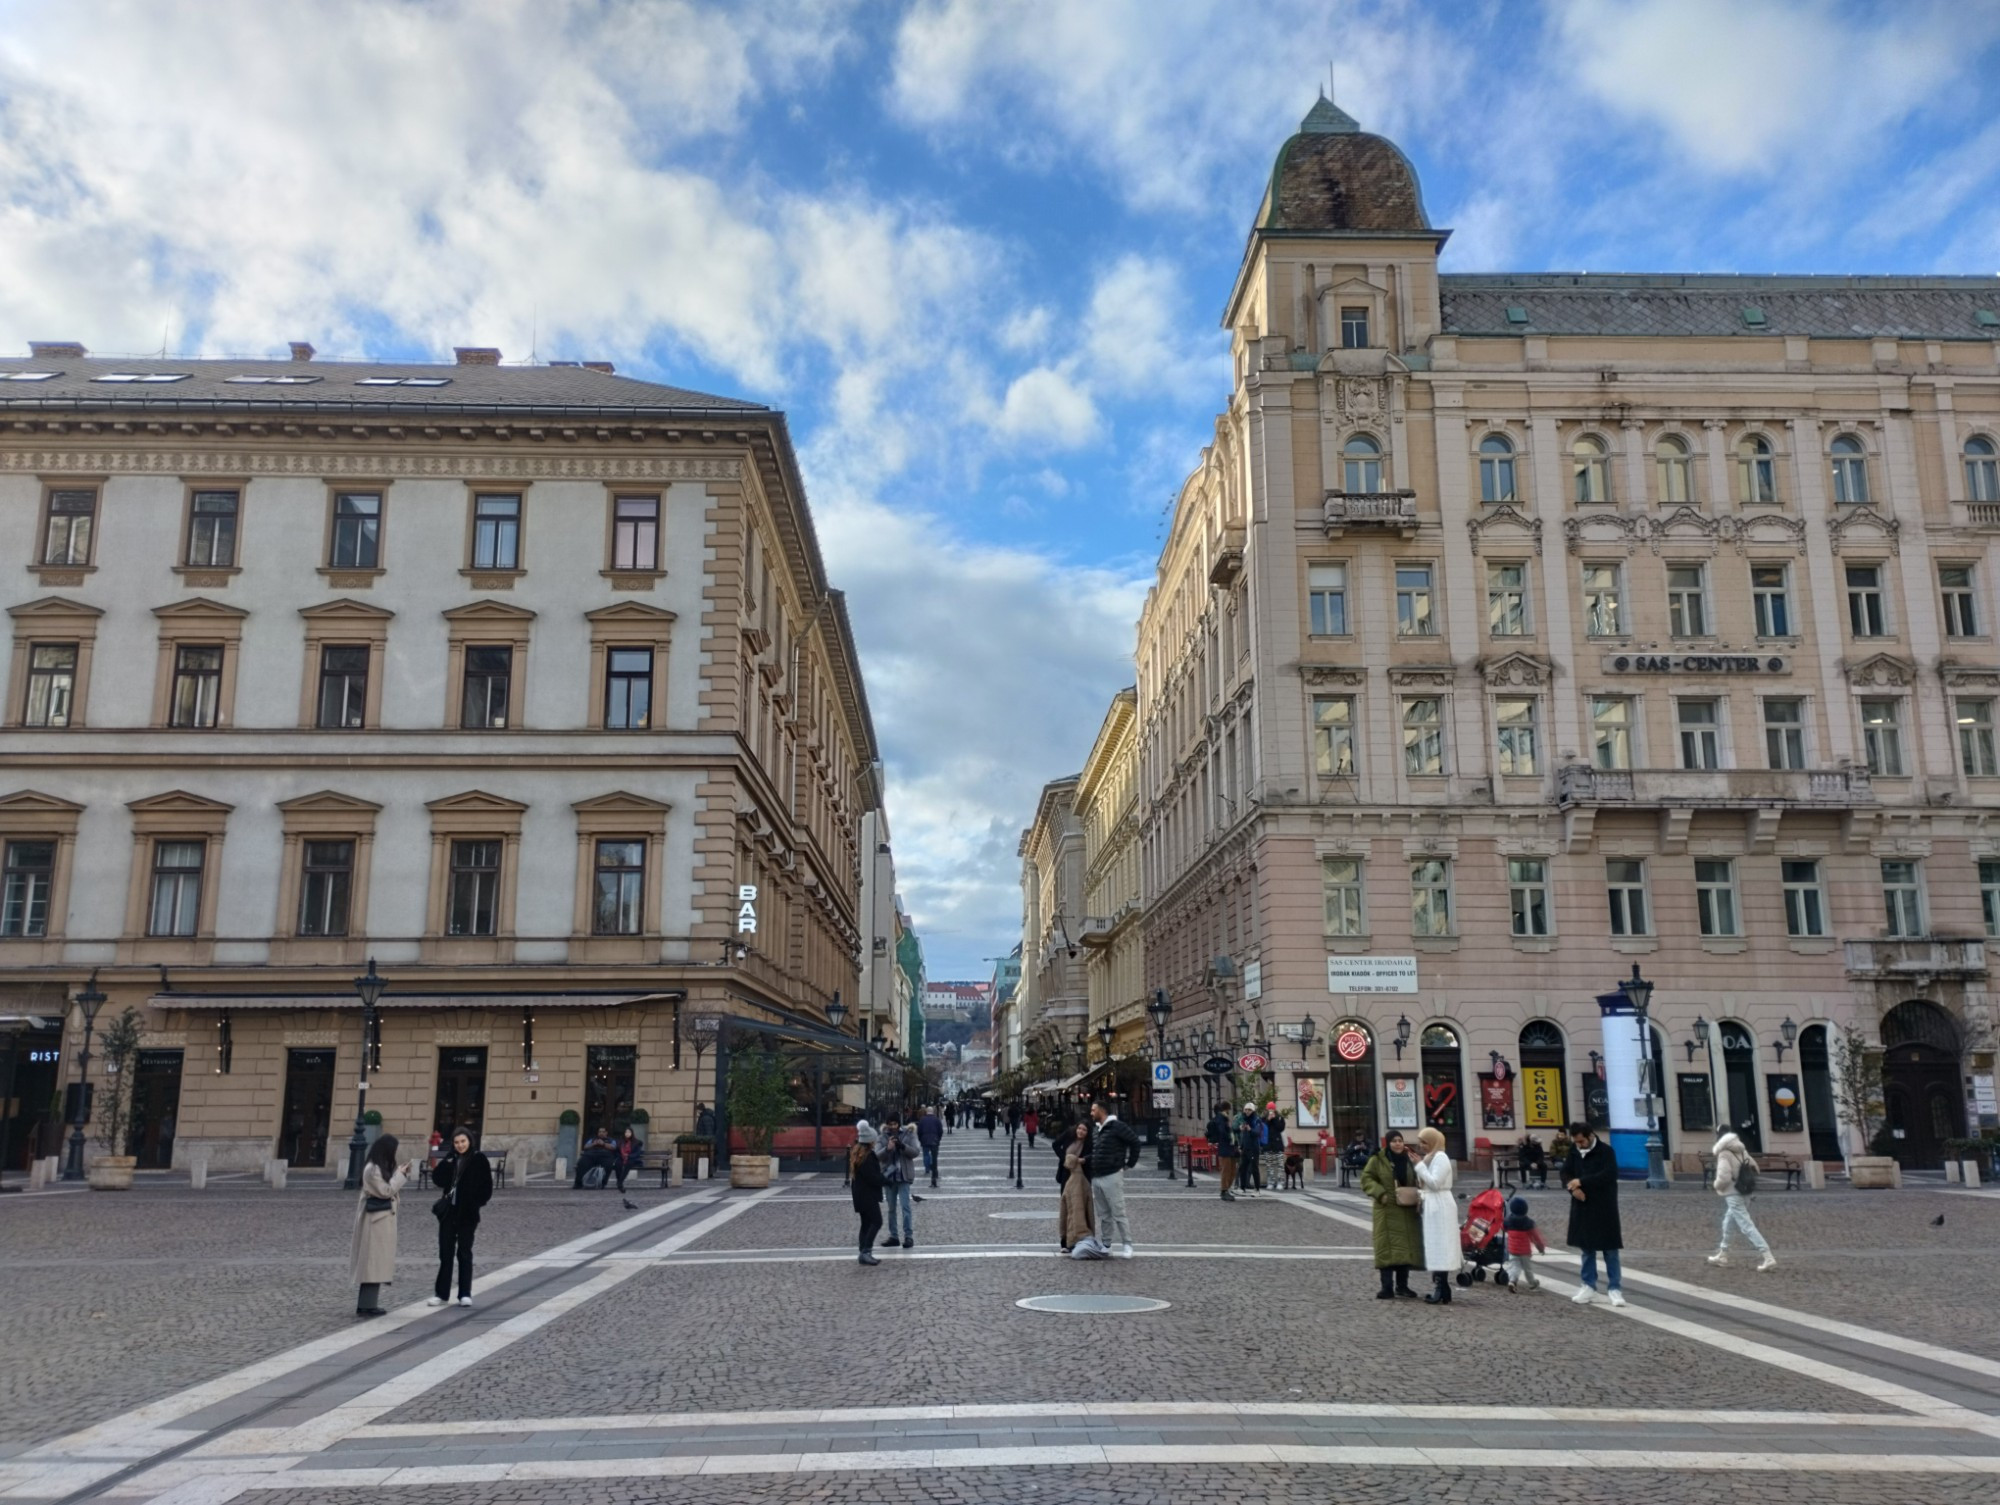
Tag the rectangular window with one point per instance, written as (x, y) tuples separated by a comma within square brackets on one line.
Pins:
[(343, 686), (628, 689), (496, 533), (1771, 600), (1414, 616), (1326, 597), (1882, 737), (1430, 897), (473, 903), (1333, 736), (1611, 731), (1975, 739), (1866, 617), (1625, 886), (1700, 726), (619, 907), (1507, 600), (1528, 894), (1340, 885), (176, 906), (51, 684), (1423, 735), (1715, 897), (635, 533), (28, 881), (212, 529), (197, 691), (1902, 899), (1354, 329), (1805, 905), (72, 523), (1687, 601), (357, 531), (1961, 611), (1784, 733), (1603, 601), (489, 679), (1989, 895), (1514, 721), (327, 882)]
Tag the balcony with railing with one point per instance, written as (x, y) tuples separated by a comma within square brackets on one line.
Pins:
[(1393, 510), (1584, 784), (1980, 517), (1916, 960)]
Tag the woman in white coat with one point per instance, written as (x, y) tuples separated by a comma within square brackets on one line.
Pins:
[(1440, 1215)]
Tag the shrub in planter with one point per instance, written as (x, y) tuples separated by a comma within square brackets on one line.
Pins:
[(566, 1136), (639, 1121), (119, 1040), (760, 1103)]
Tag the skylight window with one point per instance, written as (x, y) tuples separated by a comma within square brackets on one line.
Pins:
[(1753, 316), (142, 376), (1516, 314), (29, 375), (402, 381), (270, 381)]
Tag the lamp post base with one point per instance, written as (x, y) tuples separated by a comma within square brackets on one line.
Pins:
[(357, 1152), (1656, 1164), (73, 1168)]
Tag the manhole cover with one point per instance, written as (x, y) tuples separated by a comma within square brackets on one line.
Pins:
[(1042, 1215), (1092, 1306)]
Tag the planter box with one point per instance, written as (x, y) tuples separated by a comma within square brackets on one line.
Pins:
[(691, 1156), (1873, 1171), (750, 1170), (111, 1173)]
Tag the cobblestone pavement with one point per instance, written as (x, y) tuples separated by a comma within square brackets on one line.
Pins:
[(614, 1355)]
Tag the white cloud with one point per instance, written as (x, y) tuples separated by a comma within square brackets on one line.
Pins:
[(1046, 406)]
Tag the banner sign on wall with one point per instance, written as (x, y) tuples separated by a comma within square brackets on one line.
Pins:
[(1401, 1095), (1312, 1102), (1541, 1089), (1786, 1114), (1496, 1101), (1371, 974)]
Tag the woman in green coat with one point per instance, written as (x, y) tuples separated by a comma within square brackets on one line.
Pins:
[(1399, 1231)]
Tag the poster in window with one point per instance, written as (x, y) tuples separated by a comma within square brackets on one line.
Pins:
[(1786, 1115), (1541, 1088), (1401, 1094), (1312, 1102), (1596, 1100), (1697, 1101), (1496, 1101), (1441, 1098)]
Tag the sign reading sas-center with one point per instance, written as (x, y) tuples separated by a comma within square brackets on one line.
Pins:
[(1371, 974), (1696, 663)]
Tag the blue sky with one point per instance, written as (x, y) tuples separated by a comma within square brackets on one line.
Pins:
[(977, 251)]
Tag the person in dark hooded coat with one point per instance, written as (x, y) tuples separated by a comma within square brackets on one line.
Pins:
[(1591, 1175)]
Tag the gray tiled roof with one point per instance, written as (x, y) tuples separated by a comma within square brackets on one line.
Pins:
[(344, 385), (1945, 308)]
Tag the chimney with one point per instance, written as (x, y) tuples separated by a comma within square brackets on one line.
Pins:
[(476, 355), (56, 350), (301, 351), (605, 366)]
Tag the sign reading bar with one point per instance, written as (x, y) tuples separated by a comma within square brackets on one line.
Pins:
[(1371, 974), (1697, 663)]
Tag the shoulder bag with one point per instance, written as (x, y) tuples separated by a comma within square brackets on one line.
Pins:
[(1408, 1196), (378, 1204)]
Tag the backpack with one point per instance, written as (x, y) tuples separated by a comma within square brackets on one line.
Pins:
[(1746, 1177)]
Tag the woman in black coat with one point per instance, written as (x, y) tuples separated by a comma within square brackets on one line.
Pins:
[(1590, 1174), (864, 1182), (466, 1181)]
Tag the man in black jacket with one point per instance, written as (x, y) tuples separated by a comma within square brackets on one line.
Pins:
[(1114, 1149), (1590, 1172)]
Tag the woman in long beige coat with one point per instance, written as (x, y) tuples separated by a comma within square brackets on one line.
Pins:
[(1075, 1217), (373, 1264)]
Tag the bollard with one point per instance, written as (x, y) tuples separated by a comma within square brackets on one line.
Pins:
[(278, 1169), (701, 1169), (1950, 1172), (1190, 1173), (198, 1174), (674, 1171), (34, 1175), (1971, 1172), (562, 1169), (1815, 1178)]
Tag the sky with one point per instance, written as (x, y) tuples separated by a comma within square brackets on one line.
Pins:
[(977, 252)]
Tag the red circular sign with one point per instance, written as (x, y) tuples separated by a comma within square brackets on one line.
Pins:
[(1351, 1044), (1250, 1060)]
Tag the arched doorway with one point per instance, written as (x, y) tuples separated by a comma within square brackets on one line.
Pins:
[(1351, 1082), (1920, 1090), (1816, 1073), (1739, 1078), (1444, 1087), (1544, 1097)]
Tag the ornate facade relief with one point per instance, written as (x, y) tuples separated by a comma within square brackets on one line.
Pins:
[(1870, 530), (1507, 524), (1880, 671)]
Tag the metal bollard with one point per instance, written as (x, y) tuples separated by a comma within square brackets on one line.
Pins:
[(1016, 1157), (278, 1169)]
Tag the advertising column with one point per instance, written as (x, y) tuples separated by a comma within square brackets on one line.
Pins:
[(1623, 1075)]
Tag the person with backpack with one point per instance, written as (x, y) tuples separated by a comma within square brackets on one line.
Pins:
[(897, 1150), (1249, 1153), (1736, 1179), (1224, 1140)]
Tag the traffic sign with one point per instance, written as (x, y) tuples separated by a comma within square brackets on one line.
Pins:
[(1163, 1073), (1216, 1065), (1250, 1060)]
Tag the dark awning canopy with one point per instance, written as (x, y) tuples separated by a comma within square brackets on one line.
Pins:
[(509, 1001)]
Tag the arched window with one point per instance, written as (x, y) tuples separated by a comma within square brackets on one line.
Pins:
[(1756, 472), (1676, 468), (1362, 464), (1982, 471), (1850, 471), (1496, 469), (1590, 470)]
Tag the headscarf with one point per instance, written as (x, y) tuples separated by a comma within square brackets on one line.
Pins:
[(1430, 1139), (1399, 1160)]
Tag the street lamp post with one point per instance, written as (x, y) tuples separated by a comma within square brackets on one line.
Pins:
[(1639, 993), (89, 1001), (369, 987), (1160, 1011)]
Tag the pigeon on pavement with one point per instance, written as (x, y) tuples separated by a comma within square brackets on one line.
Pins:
[(1938, 1221), (630, 1205)]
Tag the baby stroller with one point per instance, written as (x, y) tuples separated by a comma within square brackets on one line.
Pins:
[(1481, 1241)]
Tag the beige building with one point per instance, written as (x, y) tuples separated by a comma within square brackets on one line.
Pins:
[(1051, 1007), (525, 683), (1107, 807), (1518, 629)]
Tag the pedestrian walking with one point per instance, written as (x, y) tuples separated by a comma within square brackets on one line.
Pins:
[(631, 1156), (704, 1120), (1524, 1242), (930, 1134), (1250, 1152), (1223, 1138), (992, 1118), (1389, 1181), (864, 1180), (950, 1117), (896, 1148), (1075, 1216), (1013, 1119), (465, 1180), (1031, 1125), (1736, 1179), (1114, 1149), (1590, 1172), (372, 1264), (1439, 1208)]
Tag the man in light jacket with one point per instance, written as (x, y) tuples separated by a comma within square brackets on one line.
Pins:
[(897, 1150), (1730, 1156)]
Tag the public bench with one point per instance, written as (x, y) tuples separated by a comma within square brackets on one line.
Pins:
[(1790, 1167)]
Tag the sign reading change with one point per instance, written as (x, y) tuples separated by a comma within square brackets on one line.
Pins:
[(1371, 974)]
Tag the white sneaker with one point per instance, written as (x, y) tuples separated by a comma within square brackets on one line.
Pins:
[(1124, 1251), (1616, 1298), (435, 1301), (1718, 1258), (465, 1301), (1584, 1296), (1768, 1262)]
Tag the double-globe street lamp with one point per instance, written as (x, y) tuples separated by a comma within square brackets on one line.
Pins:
[(369, 987), (88, 1002)]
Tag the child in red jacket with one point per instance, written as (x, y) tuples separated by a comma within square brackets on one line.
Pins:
[(1524, 1242)]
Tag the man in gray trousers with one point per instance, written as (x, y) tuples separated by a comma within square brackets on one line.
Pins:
[(1114, 1150)]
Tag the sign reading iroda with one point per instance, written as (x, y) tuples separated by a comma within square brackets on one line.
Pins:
[(1371, 974), (1697, 663)]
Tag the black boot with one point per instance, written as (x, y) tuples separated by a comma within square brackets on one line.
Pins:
[(1403, 1282), (1440, 1292), (1388, 1291)]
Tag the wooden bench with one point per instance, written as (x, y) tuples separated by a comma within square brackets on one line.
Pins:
[(1790, 1167)]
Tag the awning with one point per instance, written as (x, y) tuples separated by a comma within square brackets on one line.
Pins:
[(390, 1000)]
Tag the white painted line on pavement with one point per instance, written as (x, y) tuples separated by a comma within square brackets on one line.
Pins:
[(1024, 1251)]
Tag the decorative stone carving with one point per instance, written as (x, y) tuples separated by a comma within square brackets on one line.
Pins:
[(1603, 529), (1505, 520), (1968, 676), (1319, 675), (1762, 528), (1361, 399), (1522, 669), (1871, 529), (1423, 676), (1880, 671)]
